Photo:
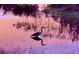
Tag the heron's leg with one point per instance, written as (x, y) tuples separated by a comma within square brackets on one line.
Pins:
[(42, 42)]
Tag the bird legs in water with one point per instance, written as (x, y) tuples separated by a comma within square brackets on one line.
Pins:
[(42, 42)]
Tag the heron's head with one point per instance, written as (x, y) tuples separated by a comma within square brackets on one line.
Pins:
[(42, 27)]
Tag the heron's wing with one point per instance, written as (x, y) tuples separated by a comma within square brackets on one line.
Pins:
[(37, 33)]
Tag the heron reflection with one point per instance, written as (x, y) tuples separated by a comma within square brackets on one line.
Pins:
[(38, 39)]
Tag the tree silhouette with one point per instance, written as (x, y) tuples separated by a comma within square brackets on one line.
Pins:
[(20, 9)]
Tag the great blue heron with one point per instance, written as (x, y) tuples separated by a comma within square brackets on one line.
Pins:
[(36, 34)]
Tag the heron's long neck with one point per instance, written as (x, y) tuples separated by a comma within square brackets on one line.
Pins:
[(41, 30)]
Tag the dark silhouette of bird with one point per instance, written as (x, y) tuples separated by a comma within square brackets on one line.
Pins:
[(38, 39), (36, 34)]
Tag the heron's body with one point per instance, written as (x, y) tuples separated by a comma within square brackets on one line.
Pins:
[(36, 34)]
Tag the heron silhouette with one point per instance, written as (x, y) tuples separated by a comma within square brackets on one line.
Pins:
[(38, 39), (36, 34)]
